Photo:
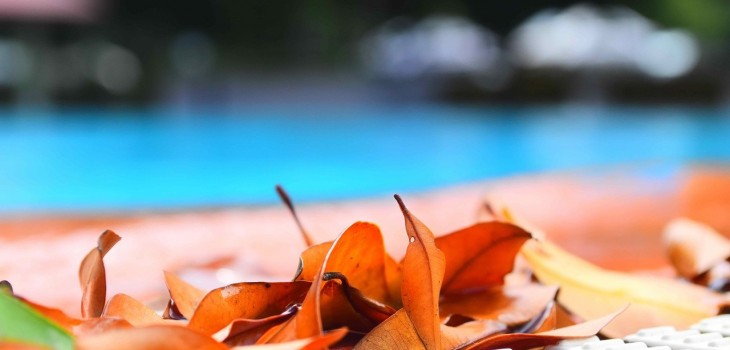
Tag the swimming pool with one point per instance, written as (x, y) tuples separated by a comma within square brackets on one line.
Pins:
[(114, 159)]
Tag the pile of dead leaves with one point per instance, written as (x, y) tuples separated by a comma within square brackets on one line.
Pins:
[(447, 292)]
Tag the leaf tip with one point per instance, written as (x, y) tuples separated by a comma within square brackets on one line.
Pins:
[(284, 196), (400, 203), (5, 286)]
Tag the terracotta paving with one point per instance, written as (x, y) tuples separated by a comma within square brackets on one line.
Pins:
[(613, 218)]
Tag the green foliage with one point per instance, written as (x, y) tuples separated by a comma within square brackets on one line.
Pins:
[(20, 323)]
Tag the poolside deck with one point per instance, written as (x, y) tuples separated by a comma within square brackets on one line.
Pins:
[(612, 218)]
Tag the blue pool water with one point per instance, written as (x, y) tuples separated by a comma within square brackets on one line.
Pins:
[(93, 159)]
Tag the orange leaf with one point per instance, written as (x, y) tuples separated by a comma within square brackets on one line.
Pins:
[(344, 306), (512, 305), (245, 300), (529, 341), (149, 338), (362, 258), (100, 325), (478, 257), (398, 332), (186, 296), (314, 343), (306, 323), (248, 331), (368, 308), (550, 322), (138, 314), (311, 261), (9, 345), (359, 254), (694, 248), (358, 250), (394, 278), (92, 276), (423, 273)]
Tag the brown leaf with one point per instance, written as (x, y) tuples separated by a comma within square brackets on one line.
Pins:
[(529, 341), (92, 276), (100, 325), (186, 296), (589, 291), (248, 331), (550, 322), (511, 305), (9, 345), (423, 273), (314, 343), (307, 322), (337, 311), (250, 300), (467, 333), (478, 257), (359, 254), (311, 261), (694, 248), (133, 311), (358, 251), (290, 205), (149, 338), (372, 310), (398, 332), (394, 279)]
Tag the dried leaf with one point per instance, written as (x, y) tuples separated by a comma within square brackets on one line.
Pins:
[(398, 332), (694, 248), (149, 338), (549, 323), (359, 254), (423, 273), (13, 345), (513, 305), (313, 343), (368, 308), (186, 296), (347, 255), (133, 311), (394, 279), (307, 323), (100, 325), (369, 268), (290, 205), (250, 300), (589, 291), (311, 261), (479, 256), (247, 331), (337, 311), (92, 276), (529, 341)]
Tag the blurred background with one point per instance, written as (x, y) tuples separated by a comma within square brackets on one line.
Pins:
[(113, 106)]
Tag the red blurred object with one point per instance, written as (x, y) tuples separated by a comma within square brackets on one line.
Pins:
[(50, 10)]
